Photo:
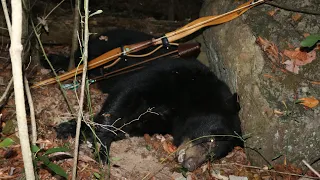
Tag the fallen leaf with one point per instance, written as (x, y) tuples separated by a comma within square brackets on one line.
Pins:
[(291, 66), (268, 76), (263, 42), (296, 16), (300, 57), (315, 82), (168, 147), (271, 13), (172, 148), (147, 138), (306, 34), (309, 101), (270, 48)]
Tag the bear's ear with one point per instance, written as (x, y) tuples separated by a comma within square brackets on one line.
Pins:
[(233, 103)]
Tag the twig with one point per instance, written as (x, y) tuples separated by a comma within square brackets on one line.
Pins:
[(55, 74), (291, 9), (112, 128), (31, 109), (311, 168), (255, 150), (4, 58), (15, 53), (137, 119), (6, 92), (74, 45), (83, 82), (31, 34), (53, 9), (6, 15)]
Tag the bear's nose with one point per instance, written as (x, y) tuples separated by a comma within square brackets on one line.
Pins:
[(190, 164)]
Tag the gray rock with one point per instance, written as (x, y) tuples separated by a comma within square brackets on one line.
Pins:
[(237, 59)]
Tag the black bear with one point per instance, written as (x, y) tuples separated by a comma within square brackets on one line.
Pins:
[(171, 96)]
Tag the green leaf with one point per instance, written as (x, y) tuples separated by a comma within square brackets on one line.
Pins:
[(97, 175), (35, 149), (6, 142), (310, 40), (55, 168), (148, 147), (56, 149), (44, 159)]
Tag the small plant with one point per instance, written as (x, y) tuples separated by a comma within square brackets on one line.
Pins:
[(6, 143), (311, 41), (42, 157)]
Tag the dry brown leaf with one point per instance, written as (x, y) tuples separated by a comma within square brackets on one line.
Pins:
[(270, 48), (268, 76), (273, 12), (309, 101), (296, 16), (147, 138), (168, 147), (289, 168), (306, 34), (315, 82), (291, 66), (262, 42), (172, 148), (300, 57)]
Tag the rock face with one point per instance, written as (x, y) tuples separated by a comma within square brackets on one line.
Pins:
[(263, 87)]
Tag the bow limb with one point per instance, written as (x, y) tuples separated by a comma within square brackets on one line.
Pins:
[(103, 59), (209, 21), (106, 57)]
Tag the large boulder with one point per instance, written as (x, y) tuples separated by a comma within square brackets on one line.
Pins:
[(263, 85)]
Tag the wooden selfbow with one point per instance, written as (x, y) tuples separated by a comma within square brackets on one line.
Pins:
[(182, 32)]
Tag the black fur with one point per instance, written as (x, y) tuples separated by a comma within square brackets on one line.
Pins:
[(189, 102)]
